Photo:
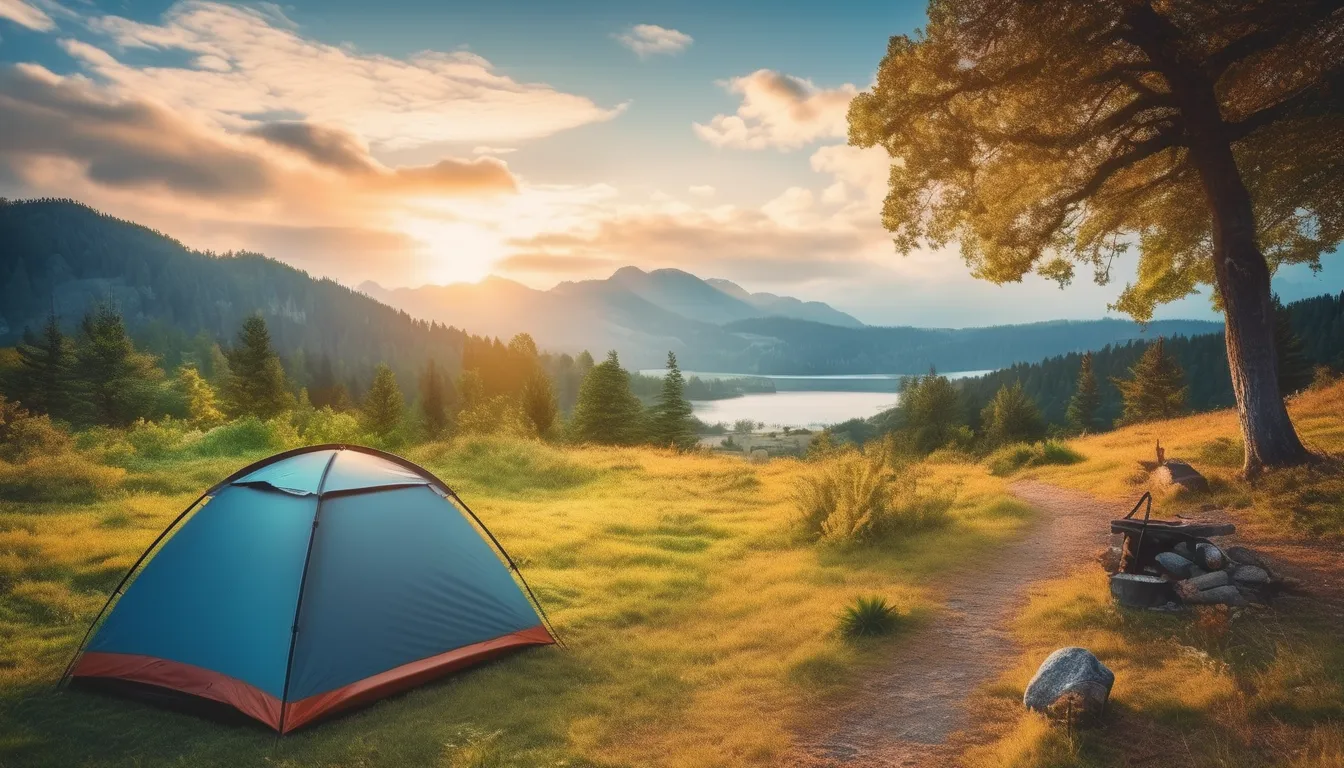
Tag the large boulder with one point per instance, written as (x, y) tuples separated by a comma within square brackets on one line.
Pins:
[(1192, 586), (1209, 556), (1072, 676), (1175, 472)]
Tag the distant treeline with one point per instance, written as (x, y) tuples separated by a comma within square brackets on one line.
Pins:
[(1318, 322), (646, 387)]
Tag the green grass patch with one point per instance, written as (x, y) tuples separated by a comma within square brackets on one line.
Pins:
[(1011, 458)]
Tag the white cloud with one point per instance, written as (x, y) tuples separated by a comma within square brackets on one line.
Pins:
[(252, 62), (487, 150), (780, 111), (701, 190), (26, 15), (650, 39)]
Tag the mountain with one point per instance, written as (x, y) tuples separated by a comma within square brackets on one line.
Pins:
[(787, 306), (177, 301), (640, 314), (65, 256)]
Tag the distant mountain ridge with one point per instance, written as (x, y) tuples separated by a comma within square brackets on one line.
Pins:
[(633, 311), (64, 253)]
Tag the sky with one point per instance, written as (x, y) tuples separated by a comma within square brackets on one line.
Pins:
[(412, 142)]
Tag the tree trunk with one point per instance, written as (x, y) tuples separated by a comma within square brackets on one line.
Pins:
[(1239, 268), (1242, 277)]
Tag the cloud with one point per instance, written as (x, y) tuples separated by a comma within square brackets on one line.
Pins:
[(486, 150), (780, 111), (701, 190), (26, 15), (650, 39), (732, 242), (133, 143), (249, 63)]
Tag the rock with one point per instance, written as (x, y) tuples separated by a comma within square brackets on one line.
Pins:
[(1110, 559), (1138, 590), (1175, 565), (1185, 549), (1250, 574), (1175, 472), (1217, 596), (1199, 584), (1072, 677), (1246, 556), (1210, 557)]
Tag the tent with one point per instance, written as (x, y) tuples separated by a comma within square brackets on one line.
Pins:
[(309, 582)]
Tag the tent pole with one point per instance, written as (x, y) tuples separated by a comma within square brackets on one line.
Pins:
[(80, 648), (298, 604), (514, 566)]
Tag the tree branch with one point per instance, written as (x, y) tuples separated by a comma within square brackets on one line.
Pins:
[(1266, 37), (1330, 82)]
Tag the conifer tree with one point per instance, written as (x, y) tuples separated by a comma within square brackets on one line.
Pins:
[(45, 379), (1012, 417), (671, 423), (1155, 389), (607, 411), (202, 406), (256, 385), (539, 404), (434, 397), (121, 383), (1295, 370), (384, 404), (931, 410), (1086, 401)]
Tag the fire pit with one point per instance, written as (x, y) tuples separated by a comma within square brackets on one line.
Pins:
[(1167, 563)]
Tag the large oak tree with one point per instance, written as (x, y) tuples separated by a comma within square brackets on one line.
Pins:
[(1048, 136)]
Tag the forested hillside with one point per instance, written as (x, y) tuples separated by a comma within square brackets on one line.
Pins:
[(1318, 323), (179, 302), (814, 348)]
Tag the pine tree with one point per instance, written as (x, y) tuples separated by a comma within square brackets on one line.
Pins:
[(1155, 389), (122, 384), (671, 423), (256, 385), (539, 404), (199, 398), (931, 410), (45, 379), (1012, 417), (384, 404), (607, 411), (1295, 370), (1086, 401), (434, 401)]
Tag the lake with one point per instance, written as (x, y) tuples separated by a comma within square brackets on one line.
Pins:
[(807, 401)]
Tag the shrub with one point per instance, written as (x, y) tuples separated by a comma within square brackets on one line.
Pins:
[(65, 477), (864, 495), (1011, 458), (497, 416), (248, 435), (325, 425), (24, 435), (159, 439), (868, 617)]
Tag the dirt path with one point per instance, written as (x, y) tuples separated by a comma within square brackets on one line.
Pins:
[(903, 715)]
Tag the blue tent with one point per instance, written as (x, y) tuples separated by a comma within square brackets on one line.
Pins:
[(309, 582)]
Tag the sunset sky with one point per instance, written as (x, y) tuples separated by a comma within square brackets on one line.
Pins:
[(414, 142)]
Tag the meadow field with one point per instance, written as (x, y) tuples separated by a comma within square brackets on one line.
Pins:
[(701, 628), (701, 624)]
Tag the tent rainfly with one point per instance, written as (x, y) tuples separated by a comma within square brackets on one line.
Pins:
[(310, 582)]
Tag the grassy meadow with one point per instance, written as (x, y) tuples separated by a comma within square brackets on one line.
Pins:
[(1245, 688), (701, 626)]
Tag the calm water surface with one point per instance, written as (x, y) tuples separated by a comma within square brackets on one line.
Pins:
[(817, 401)]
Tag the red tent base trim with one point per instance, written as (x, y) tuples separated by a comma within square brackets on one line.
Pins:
[(303, 711), (255, 703), (184, 678)]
